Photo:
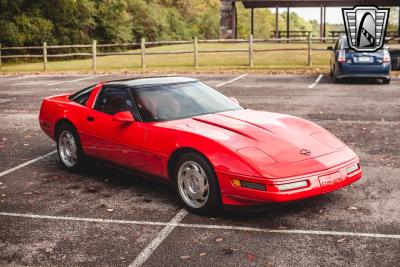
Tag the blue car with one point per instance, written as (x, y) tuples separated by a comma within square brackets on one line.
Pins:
[(345, 62)]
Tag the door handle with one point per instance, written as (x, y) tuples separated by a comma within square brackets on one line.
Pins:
[(90, 118)]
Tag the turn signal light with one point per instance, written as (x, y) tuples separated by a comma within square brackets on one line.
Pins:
[(342, 56), (386, 56), (246, 184)]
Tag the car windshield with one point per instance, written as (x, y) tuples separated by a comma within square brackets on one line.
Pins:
[(182, 100)]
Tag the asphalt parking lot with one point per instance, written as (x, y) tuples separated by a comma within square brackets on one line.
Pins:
[(107, 217)]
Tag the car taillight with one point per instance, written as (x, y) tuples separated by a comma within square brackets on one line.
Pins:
[(342, 56), (386, 56)]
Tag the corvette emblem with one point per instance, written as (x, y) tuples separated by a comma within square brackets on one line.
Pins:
[(305, 152), (365, 27)]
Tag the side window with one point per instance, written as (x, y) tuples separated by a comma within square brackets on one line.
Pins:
[(113, 100), (82, 96)]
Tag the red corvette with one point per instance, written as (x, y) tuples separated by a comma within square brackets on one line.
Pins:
[(211, 149)]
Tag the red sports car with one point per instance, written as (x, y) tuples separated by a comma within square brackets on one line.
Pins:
[(211, 149)]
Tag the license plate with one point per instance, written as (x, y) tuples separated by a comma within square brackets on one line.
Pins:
[(331, 181), (364, 59)]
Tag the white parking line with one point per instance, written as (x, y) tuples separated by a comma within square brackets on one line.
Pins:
[(231, 81), (175, 223), (76, 80), (26, 163), (19, 78), (316, 81), (164, 233)]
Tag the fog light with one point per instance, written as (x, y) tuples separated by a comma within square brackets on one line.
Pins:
[(352, 168), (251, 185), (285, 187)]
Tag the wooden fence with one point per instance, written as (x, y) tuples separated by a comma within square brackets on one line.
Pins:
[(94, 53)]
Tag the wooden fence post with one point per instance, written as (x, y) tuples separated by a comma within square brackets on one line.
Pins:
[(94, 55), (143, 48), (0, 57), (251, 61), (309, 50), (44, 56), (196, 51)]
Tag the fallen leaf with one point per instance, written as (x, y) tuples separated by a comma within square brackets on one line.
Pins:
[(27, 193), (110, 210), (202, 254), (354, 208), (185, 257), (251, 257), (219, 239), (341, 240), (3, 195)]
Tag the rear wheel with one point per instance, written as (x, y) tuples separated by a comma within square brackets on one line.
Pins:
[(336, 79), (69, 147), (196, 184)]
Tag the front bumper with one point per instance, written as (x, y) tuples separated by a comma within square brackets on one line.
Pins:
[(317, 184)]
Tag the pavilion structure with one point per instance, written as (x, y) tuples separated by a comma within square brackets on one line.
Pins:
[(228, 23)]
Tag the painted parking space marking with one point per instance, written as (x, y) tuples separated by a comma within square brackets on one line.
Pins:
[(18, 78), (175, 222), (161, 236), (26, 163), (231, 81), (316, 81), (77, 80)]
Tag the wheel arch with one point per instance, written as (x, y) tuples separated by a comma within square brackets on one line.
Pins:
[(61, 122), (173, 159)]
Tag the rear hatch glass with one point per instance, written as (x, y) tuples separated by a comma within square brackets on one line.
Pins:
[(354, 57)]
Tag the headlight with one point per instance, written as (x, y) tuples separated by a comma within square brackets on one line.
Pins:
[(290, 186), (352, 168), (256, 156)]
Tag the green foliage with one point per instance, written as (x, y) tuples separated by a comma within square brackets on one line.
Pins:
[(27, 22)]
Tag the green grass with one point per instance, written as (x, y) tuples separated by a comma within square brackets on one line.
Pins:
[(275, 60)]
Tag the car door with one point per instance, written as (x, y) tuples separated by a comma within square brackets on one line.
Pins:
[(114, 141)]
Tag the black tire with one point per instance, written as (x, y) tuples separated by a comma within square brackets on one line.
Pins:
[(80, 156), (336, 79), (213, 202), (386, 80)]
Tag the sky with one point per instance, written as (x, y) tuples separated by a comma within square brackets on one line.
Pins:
[(333, 14)]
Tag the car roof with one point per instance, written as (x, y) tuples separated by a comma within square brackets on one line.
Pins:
[(147, 81)]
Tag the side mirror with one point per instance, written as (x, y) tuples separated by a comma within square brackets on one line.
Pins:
[(124, 117), (329, 48), (234, 100)]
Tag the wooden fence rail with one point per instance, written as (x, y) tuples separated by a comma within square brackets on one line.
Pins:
[(143, 52)]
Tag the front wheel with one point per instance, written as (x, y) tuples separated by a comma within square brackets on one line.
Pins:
[(69, 148), (196, 184), (386, 80)]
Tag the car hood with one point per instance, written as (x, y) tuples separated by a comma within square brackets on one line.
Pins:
[(285, 139)]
